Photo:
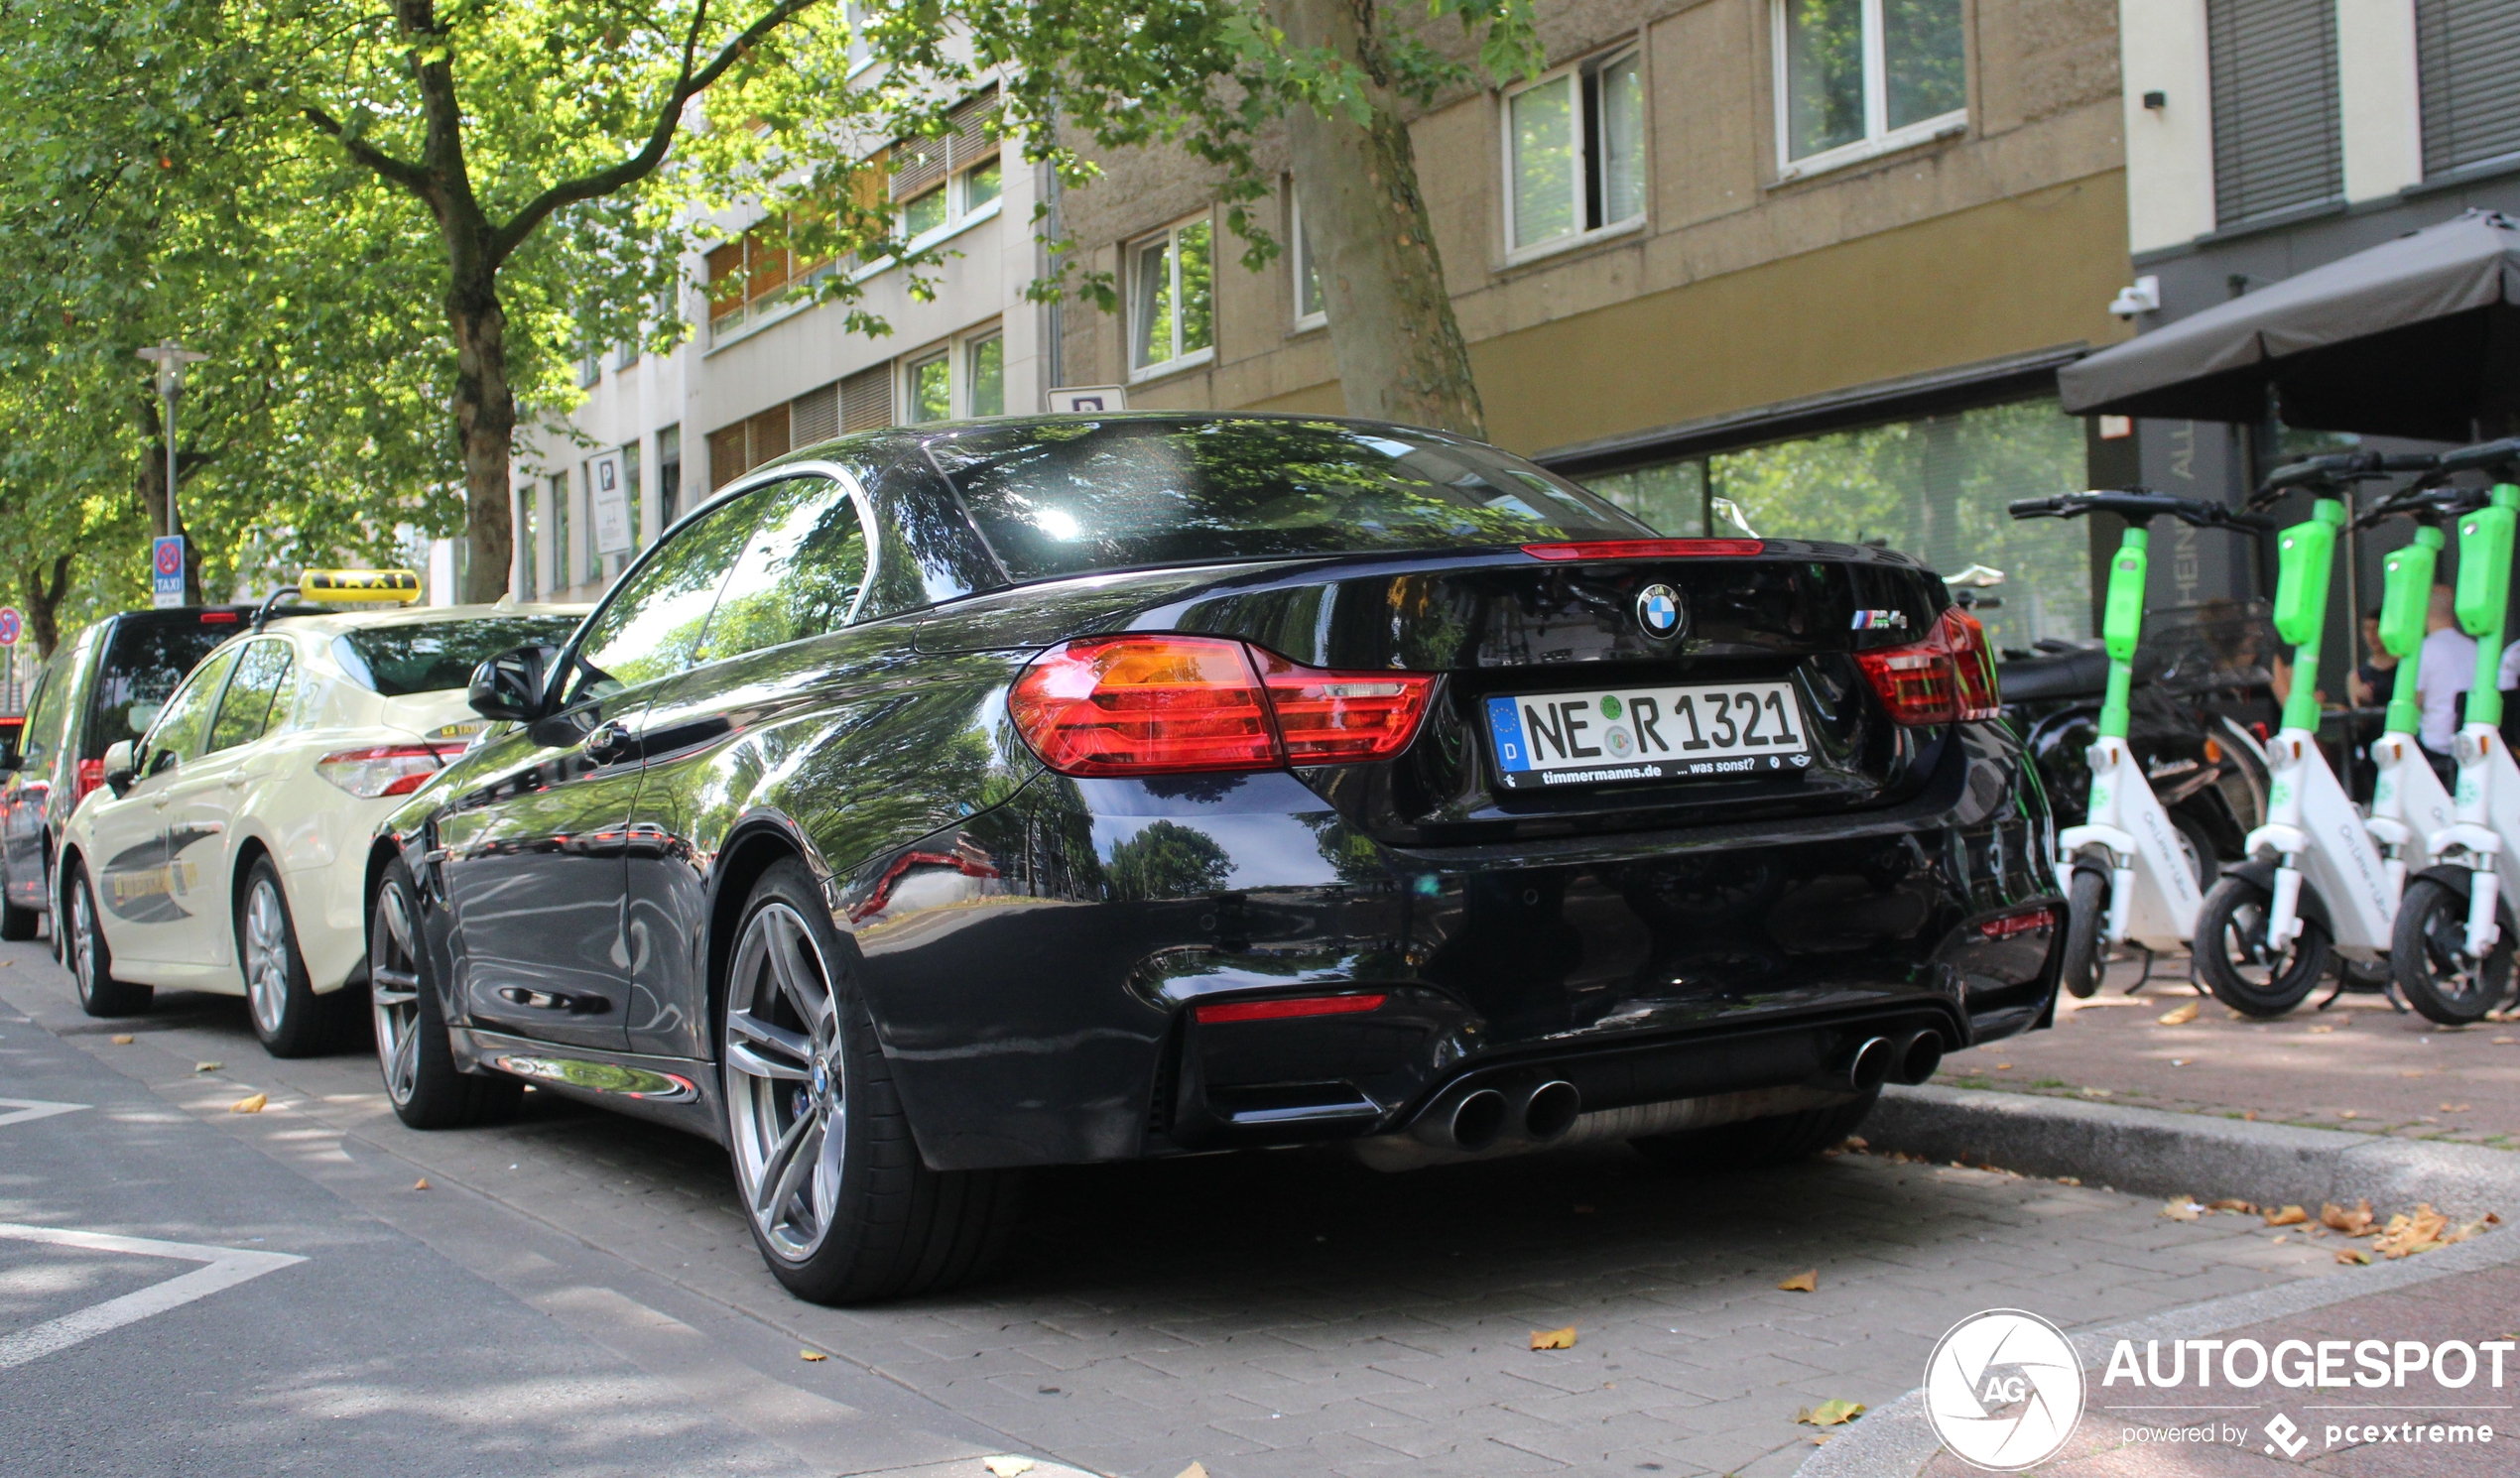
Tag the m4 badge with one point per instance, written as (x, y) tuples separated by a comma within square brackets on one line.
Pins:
[(1880, 620)]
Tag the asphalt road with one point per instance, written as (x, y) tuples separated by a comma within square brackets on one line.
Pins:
[(576, 1291)]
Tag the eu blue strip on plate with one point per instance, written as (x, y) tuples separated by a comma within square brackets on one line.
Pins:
[(1506, 722)]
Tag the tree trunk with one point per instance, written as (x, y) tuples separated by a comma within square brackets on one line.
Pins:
[(43, 603), (1399, 348), (153, 495), (485, 421)]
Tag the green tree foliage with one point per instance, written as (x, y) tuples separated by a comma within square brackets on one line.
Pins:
[(1165, 859)]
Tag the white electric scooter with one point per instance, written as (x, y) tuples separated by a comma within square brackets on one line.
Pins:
[(2125, 871)]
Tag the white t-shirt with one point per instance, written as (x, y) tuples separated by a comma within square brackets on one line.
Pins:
[(2449, 669), (2510, 678)]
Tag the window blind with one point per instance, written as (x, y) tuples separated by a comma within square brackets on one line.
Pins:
[(2275, 126), (2468, 54), (866, 399)]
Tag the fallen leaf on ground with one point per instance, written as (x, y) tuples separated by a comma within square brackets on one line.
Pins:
[(1805, 1282), (2319, 1031), (2352, 1223), (1554, 1339), (125, 1039), (2251, 1116), (2351, 1114), (2464, 1231), (1830, 1413), (2410, 1233), (421, 1185), (2232, 1203), (2413, 1072), (253, 1105), (2003, 1067), (2454, 1108), (2353, 1255), (1195, 1470), (2280, 1240), (2182, 1210), (2100, 1092), (2507, 1040), (812, 1355), (1858, 1141), (1008, 1467), (2288, 1216), (207, 1067), (2180, 1017), (2069, 1179)]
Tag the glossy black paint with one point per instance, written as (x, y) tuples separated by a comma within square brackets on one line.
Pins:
[(1032, 945)]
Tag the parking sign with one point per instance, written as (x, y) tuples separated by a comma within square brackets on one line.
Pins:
[(165, 570), (10, 625)]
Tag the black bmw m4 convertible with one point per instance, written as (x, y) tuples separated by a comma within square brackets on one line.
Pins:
[(938, 803)]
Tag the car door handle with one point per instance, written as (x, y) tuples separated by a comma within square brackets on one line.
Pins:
[(609, 743)]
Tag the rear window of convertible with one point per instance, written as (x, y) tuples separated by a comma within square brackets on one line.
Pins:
[(1064, 498)]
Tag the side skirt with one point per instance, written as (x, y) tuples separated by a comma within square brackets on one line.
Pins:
[(680, 1092)]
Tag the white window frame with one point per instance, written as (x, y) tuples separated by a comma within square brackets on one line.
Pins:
[(957, 354), (1129, 253), (1579, 237), (1300, 256), (1879, 138), (965, 350)]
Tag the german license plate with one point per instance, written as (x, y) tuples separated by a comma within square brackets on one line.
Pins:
[(1698, 732)]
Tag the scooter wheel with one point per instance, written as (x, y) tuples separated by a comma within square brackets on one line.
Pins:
[(2428, 955), (2086, 910), (2234, 961)]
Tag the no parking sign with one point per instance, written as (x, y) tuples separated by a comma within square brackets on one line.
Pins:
[(165, 570), (10, 625)]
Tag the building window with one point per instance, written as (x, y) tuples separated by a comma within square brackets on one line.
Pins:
[(669, 476), (563, 557), (1574, 147), (1312, 309), (1171, 300), (529, 551), (2468, 54), (931, 389), (755, 276), (1858, 76), (866, 399), (2277, 143), (987, 358), (946, 182)]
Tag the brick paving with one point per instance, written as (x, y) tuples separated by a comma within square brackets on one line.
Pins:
[(2357, 1065), (1296, 1314)]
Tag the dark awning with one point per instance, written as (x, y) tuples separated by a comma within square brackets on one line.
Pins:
[(2415, 338)]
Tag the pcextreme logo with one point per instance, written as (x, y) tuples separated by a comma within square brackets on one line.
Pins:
[(2003, 1390)]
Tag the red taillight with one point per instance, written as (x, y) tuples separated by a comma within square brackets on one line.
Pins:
[(1649, 549), (219, 618), (1175, 704), (384, 768), (91, 774), (1947, 678), (2005, 926), (1283, 1007)]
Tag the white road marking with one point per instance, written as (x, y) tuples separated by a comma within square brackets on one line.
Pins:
[(28, 1109), (226, 1267)]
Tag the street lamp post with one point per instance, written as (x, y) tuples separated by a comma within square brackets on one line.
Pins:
[(170, 359)]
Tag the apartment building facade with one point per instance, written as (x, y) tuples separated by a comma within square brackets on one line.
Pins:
[(1816, 259), (2268, 137)]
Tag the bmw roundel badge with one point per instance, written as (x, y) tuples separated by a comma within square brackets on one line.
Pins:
[(1659, 611)]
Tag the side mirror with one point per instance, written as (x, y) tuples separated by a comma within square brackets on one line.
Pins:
[(120, 767), (509, 686)]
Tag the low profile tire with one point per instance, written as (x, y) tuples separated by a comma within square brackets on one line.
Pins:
[(2233, 960), (2428, 955), (91, 959), (1750, 1144), (291, 1019), (841, 1206), (421, 1081), (2086, 910), (17, 926)]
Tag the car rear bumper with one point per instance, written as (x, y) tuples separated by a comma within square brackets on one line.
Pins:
[(1037, 973)]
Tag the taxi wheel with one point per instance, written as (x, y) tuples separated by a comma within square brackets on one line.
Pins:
[(288, 1017), (421, 1081), (91, 959)]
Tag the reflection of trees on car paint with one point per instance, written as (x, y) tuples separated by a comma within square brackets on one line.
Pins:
[(798, 575), (652, 628), (1167, 859)]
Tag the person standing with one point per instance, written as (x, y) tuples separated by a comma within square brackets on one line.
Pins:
[(2448, 670)]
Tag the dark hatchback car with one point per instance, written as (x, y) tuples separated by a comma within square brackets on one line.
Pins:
[(103, 685), (937, 804)]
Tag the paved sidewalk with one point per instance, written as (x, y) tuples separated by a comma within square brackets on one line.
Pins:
[(2357, 1065)]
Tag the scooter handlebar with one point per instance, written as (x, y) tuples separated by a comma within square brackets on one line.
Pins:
[(2136, 505), (2502, 454)]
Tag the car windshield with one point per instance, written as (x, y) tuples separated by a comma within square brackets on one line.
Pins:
[(436, 656), (1060, 498), (146, 658)]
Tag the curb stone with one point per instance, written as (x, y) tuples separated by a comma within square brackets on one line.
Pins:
[(2151, 1152)]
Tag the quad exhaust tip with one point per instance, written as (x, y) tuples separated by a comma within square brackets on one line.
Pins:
[(1919, 1059), (1549, 1110), (1870, 1064), (1472, 1120)]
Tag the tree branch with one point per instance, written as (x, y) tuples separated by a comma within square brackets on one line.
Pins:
[(409, 176), (688, 86)]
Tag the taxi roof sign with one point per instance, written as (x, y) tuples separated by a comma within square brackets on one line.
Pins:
[(359, 586)]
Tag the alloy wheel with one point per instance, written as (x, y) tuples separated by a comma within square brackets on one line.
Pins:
[(82, 938), (786, 1101), (393, 973), (265, 955)]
